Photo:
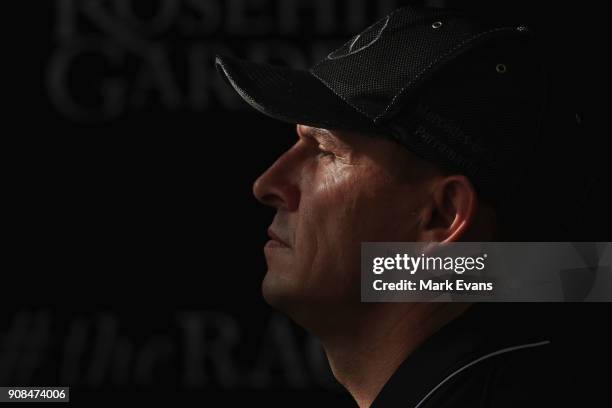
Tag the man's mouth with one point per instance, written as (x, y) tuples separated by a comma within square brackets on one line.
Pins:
[(275, 240)]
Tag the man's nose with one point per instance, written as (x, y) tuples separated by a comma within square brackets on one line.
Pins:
[(278, 187)]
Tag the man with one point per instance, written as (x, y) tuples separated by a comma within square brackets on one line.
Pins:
[(409, 132)]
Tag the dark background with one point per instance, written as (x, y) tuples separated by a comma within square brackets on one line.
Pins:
[(134, 247)]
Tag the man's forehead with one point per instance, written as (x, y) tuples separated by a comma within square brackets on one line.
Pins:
[(336, 136), (314, 132)]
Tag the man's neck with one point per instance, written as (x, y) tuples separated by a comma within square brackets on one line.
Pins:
[(365, 353)]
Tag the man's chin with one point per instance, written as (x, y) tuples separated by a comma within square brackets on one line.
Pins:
[(276, 290), (313, 313), (283, 292)]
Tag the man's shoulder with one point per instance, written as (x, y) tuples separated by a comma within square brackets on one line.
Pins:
[(487, 358), (524, 375)]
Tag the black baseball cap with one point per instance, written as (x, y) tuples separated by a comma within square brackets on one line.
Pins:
[(461, 91)]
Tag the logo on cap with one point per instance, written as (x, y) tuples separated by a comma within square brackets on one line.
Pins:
[(361, 41)]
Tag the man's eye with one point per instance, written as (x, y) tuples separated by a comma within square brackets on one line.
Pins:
[(325, 153)]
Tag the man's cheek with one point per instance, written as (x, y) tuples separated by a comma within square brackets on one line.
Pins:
[(332, 178)]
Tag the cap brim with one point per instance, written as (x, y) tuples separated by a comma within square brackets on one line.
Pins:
[(290, 95)]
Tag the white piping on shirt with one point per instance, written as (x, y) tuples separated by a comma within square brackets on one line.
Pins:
[(478, 360)]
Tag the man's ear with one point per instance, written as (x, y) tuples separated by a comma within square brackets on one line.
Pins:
[(450, 210)]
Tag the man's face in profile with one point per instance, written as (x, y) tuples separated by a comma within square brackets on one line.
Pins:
[(332, 191)]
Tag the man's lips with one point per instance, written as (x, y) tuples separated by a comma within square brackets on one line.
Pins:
[(276, 239)]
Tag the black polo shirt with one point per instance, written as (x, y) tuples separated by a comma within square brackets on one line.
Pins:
[(494, 355)]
